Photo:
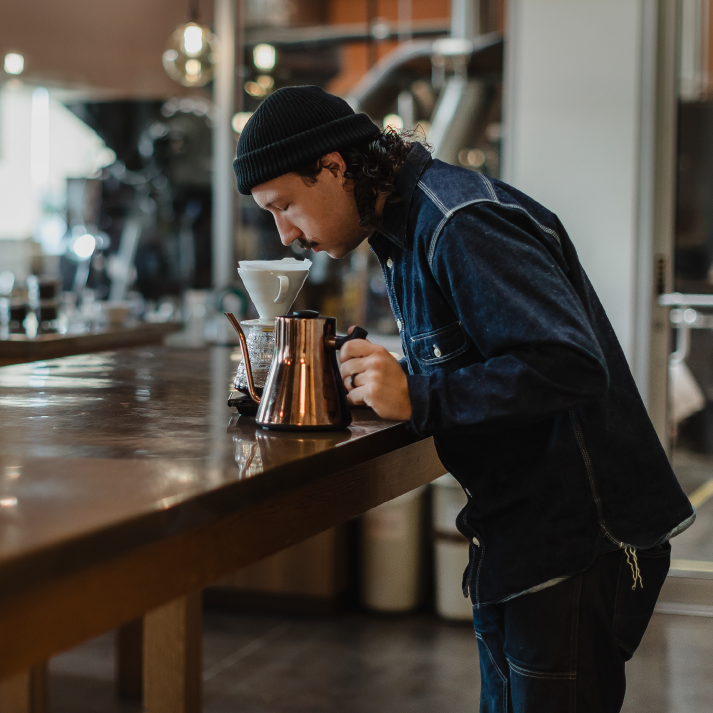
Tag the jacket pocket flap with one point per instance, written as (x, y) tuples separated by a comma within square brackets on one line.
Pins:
[(440, 344)]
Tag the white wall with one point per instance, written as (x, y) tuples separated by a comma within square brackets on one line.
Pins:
[(573, 132), (75, 150)]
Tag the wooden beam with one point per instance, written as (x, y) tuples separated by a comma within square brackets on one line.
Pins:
[(129, 660), (173, 657), (25, 692)]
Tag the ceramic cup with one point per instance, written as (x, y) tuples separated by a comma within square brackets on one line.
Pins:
[(115, 312), (273, 284)]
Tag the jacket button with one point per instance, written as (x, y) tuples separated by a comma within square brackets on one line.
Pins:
[(436, 351), (476, 542), (398, 324), (389, 263)]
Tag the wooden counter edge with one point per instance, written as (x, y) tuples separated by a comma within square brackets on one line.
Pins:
[(53, 617)]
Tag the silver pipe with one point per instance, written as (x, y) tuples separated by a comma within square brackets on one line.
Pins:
[(676, 299), (405, 17), (365, 94), (465, 19), (683, 344), (223, 144)]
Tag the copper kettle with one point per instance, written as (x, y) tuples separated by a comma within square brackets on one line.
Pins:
[(304, 389)]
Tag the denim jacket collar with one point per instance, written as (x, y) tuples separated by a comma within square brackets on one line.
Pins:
[(395, 217)]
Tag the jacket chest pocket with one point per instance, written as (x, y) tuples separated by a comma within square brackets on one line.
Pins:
[(432, 349)]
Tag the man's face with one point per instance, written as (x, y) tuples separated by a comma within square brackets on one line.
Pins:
[(321, 216)]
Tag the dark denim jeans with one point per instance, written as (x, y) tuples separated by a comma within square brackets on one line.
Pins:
[(563, 649)]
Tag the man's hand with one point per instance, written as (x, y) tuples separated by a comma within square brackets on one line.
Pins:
[(378, 380)]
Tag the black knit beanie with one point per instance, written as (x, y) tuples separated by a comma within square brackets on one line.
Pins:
[(293, 126)]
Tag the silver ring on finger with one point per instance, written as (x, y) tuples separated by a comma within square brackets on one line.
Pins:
[(351, 381)]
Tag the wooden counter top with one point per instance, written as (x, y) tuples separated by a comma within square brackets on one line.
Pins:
[(129, 467)]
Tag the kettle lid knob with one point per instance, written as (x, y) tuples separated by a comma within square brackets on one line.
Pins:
[(305, 314)]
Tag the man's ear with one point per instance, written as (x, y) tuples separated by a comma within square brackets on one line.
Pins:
[(334, 163)]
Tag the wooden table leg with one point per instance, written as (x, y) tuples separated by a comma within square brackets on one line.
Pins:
[(129, 660), (173, 657), (26, 692)]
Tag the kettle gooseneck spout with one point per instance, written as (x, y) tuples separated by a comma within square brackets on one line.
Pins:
[(246, 356)]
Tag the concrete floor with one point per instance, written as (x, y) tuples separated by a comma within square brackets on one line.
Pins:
[(360, 663)]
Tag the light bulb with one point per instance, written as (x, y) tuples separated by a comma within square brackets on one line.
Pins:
[(254, 89), (393, 121), (193, 68), (83, 246), (264, 57), (14, 63), (239, 121), (193, 39), (190, 55)]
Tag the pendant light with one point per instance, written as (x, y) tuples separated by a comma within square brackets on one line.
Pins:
[(191, 52)]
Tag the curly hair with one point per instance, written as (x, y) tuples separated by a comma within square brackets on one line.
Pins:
[(373, 167)]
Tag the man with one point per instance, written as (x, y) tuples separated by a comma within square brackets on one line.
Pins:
[(513, 367)]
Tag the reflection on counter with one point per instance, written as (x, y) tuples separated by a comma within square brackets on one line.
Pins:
[(256, 450)]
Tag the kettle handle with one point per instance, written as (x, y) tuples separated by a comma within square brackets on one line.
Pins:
[(337, 342)]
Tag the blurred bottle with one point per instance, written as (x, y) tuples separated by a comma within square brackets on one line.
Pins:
[(44, 297)]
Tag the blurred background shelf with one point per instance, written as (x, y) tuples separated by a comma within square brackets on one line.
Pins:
[(18, 348)]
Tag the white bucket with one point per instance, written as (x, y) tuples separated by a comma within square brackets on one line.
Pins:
[(450, 550), (391, 545), (448, 500)]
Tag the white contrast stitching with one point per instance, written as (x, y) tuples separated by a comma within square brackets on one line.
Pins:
[(448, 214), (537, 588), (514, 206), (489, 186), (547, 230), (477, 574), (426, 335), (444, 357), (433, 197), (437, 232), (503, 677), (537, 674)]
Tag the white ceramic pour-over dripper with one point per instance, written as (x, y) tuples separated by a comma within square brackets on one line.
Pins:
[(273, 284)]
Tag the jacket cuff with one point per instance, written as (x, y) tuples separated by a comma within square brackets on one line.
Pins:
[(419, 391)]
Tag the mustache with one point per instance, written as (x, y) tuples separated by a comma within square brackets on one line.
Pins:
[(305, 244)]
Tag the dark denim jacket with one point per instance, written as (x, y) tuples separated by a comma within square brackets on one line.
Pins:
[(514, 368)]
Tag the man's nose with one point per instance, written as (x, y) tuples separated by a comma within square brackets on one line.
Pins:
[(288, 232)]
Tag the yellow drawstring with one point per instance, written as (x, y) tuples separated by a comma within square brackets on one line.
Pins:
[(634, 564)]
